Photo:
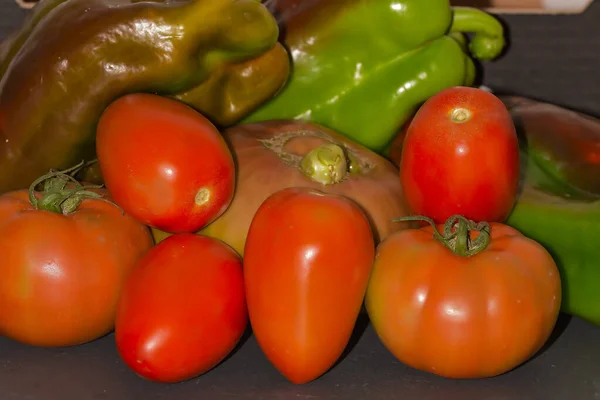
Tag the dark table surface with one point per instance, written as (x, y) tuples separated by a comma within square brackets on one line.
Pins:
[(569, 368), (552, 58)]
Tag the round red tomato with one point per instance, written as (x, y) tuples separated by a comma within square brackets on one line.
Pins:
[(164, 163), (474, 311), (461, 156), (182, 309), (307, 261), (63, 265)]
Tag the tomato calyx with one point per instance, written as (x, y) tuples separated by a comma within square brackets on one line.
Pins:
[(61, 192), (457, 234), (327, 164)]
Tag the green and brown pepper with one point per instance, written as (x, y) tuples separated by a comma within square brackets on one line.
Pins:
[(73, 57)]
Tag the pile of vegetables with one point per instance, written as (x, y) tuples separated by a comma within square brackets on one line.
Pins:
[(232, 179)]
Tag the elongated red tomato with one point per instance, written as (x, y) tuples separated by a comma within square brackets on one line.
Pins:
[(182, 309), (164, 163), (461, 156), (307, 261)]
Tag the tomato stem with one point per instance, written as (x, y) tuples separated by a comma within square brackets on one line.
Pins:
[(61, 192), (355, 163), (326, 164), (457, 234), (460, 115)]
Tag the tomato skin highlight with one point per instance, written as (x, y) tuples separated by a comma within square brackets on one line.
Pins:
[(307, 261), (469, 168), (182, 310), (61, 275), (164, 163), (463, 317)]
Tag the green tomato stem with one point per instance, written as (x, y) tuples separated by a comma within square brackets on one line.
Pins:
[(457, 234), (61, 192), (326, 164)]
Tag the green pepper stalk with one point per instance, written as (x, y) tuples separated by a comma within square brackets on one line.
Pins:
[(488, 41)]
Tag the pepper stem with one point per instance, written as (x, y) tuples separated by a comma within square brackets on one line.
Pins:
[(488, 41), (61, 192), (457, 234), (326, 164)]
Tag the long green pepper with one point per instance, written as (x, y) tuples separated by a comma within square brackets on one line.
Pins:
[(569, 230), (559, 204)]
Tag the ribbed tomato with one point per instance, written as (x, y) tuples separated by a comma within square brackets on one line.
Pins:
[(64, 257), (472, 305)]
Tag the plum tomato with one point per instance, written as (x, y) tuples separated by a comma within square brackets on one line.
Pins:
[(164, 163)]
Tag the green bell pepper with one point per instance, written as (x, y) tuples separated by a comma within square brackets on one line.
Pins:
[(363, 67), (559, 205)]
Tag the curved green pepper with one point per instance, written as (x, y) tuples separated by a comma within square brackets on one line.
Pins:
[(563, 144), (559, 204), (569, 229), (73, 57), (363, 67)]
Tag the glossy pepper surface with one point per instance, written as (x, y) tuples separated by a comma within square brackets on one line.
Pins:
[(563, 144), (71, 58), (559, 205), (362, 67)]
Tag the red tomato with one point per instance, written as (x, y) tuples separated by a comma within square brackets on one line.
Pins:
[(463, 316), (461, 156), (182, 310), (164, 163), (307, 262), (61, 274)]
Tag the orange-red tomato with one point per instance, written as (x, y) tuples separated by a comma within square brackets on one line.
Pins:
[(307, 261), (61, 275), (461, 156), (182, 310), (164, 163), (459, 316)]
